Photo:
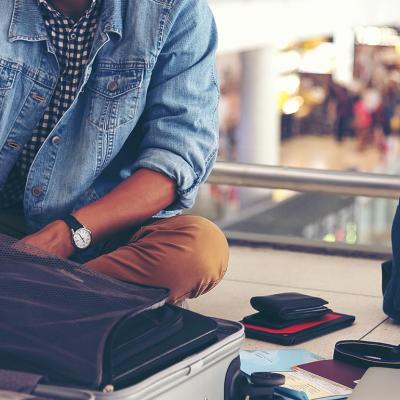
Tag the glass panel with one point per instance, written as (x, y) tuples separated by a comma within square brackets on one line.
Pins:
[(318, 217)]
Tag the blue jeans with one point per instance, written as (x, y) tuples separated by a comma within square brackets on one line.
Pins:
[(391, 274)]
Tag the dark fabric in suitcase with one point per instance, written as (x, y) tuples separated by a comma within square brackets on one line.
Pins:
[(71, 324), (132, 363)]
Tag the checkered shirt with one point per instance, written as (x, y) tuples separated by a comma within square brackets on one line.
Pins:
[(72, 41)]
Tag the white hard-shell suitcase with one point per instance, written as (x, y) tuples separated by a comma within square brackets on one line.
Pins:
[(202, 376)]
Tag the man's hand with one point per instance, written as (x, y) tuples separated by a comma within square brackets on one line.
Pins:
[(54, 239)]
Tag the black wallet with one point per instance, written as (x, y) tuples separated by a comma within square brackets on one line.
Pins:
[(289, 306)]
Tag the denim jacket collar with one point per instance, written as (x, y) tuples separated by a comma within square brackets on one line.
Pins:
[(111, 19), (27, 22)]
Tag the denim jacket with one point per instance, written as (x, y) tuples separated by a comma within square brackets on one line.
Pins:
[(148, 99)]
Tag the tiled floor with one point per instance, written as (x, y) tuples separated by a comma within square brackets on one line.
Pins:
[(351, 286)]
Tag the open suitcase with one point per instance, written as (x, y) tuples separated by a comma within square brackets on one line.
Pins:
[(200, 376), (67, 332)]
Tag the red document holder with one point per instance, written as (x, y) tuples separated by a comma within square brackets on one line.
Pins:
[(301, 332)]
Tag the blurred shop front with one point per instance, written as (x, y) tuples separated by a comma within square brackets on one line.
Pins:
[(306, 70)]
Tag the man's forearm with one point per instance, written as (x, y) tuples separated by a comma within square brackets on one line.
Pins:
[(133, 201)]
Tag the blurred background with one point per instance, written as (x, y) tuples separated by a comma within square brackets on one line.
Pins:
[(309, 84)]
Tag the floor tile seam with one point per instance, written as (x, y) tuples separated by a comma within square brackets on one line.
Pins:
[(373, 329), (300, 287)]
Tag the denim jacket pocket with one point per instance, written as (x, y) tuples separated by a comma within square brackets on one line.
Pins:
[(113, 94), (7, 78)]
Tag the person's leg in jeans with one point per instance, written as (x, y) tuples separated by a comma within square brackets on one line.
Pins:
[(391, 296), (187, 254)]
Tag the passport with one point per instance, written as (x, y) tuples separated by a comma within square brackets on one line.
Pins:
[(337, 371)]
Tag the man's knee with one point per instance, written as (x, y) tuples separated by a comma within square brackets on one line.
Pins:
[(187, 254), (209, 254)]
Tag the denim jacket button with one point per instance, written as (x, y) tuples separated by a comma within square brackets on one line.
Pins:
[(56, 140), (112, 86), (37, 191)]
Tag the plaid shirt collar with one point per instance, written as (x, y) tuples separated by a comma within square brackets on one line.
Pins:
[(58, 14)]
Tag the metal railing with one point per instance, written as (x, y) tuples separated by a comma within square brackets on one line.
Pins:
[(306, 180)]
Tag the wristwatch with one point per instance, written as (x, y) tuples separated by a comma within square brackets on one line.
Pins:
[(81, 236)]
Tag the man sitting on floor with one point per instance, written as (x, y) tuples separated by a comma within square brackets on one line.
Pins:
[(108, 125)]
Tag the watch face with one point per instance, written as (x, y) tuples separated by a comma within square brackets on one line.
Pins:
[(82, 238)]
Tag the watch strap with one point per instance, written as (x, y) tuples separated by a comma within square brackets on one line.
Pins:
[(72, 222)]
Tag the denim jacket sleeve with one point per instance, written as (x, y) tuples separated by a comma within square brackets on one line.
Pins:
[(180, 119)]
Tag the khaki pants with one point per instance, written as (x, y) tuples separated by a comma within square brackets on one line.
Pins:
[(187, 254)]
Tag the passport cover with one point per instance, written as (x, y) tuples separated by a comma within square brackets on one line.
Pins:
[(336, 371)]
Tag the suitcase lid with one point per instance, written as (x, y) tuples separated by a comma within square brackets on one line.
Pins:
[(55, 316)]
